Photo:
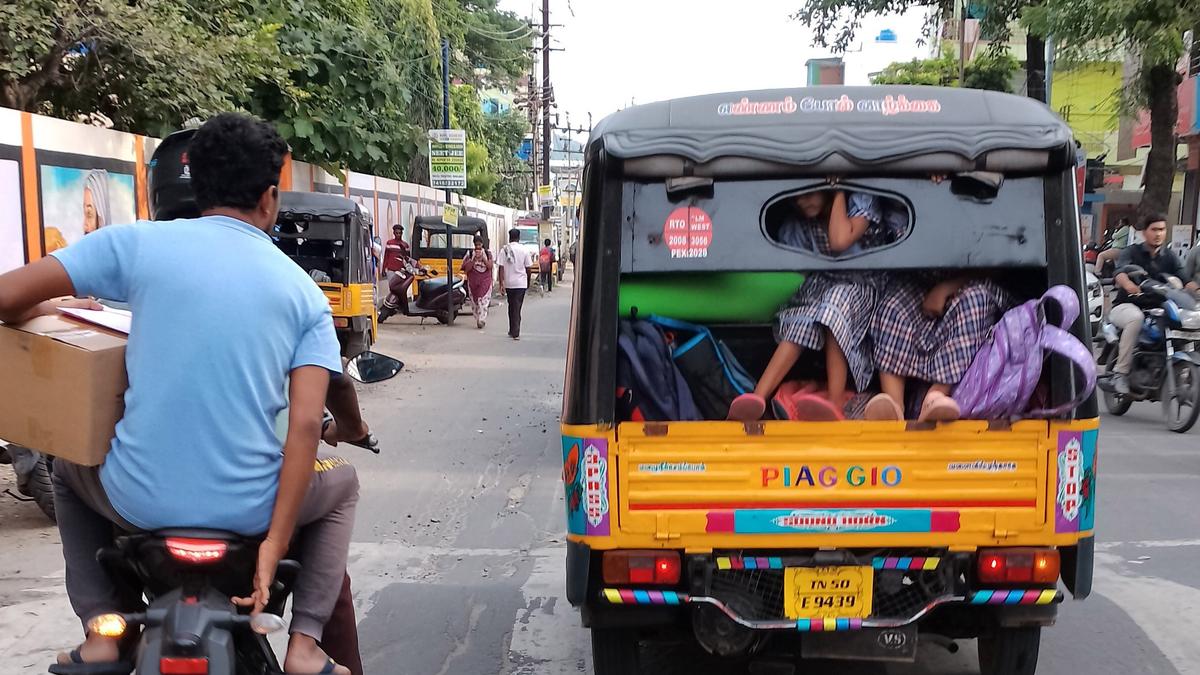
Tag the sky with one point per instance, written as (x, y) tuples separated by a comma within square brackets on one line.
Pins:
[(623, 51)]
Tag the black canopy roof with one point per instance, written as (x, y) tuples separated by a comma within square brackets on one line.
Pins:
[(838, 128), (296, 205), (466, 224)]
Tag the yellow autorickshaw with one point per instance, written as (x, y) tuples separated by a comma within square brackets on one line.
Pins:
[(428, 240), (845, 539), (330, 236)]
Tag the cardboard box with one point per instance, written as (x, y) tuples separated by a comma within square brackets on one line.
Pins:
[(62, 386)]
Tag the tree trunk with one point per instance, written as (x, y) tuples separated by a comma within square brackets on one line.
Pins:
[(1035, 68), (1160, 84)]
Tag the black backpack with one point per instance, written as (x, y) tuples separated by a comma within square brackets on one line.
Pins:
[(711, 370), (649, 386)]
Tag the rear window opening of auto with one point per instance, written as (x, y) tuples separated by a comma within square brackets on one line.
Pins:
[(910, 289)]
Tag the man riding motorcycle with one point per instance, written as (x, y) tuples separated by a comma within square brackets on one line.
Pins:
[(196, 446), (1159, 262)]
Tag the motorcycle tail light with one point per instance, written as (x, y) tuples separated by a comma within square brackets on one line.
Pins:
[(1019, 566), (196, 551), (177, 665)]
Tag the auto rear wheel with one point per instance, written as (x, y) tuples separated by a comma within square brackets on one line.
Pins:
[(1182, 407), (1116, 404), (1010, 651), (615, 652)]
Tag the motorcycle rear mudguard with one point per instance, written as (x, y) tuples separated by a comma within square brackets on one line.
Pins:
[(215, 643)]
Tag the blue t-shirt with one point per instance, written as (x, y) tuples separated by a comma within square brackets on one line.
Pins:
[(220, 319)]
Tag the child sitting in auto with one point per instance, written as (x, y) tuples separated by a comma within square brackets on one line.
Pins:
[(831, 310), (928, 327)]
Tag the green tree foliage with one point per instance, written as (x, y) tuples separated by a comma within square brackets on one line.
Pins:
[(987, 71), (484, 36), (146, 65), (1152, 31), (367, 83), (836, 22), (992, 70), (492, 142), (350, 83)]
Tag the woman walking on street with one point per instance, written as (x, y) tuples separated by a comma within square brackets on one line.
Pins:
[(478, 266)]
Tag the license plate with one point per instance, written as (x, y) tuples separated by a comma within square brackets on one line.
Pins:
[(842, 592)]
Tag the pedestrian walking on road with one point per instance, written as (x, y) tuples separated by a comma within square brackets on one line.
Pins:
[(515, 262), (546, 266), (478, 267)]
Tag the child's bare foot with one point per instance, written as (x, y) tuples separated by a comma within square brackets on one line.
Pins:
[(305, 657), (95, 649), (883, 407), (747, 408), (939, 407)]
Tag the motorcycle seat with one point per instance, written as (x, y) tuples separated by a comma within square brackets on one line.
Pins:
[(200, 533)]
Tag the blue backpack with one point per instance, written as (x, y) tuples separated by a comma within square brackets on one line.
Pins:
[(649, 386), (712, 372)]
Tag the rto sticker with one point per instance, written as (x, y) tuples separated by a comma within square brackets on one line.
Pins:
[(688, 232)]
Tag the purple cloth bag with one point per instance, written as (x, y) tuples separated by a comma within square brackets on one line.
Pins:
[(1005, 372)]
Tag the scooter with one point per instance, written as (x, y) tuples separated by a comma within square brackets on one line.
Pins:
[(1166, 363), (431, 296)]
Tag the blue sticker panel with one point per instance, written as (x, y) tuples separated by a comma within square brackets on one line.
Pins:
[(1087, 514), (785, 521)]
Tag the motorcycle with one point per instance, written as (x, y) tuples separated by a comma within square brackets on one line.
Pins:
[(34, 471), (431, 296), (1166, 363), (188, 578)]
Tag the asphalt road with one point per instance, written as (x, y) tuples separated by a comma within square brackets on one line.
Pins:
[(458, 553)]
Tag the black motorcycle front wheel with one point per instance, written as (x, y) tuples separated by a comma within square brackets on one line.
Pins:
[(1182, 407)]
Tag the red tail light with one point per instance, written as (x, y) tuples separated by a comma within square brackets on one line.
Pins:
[(1019, 566), (196, 552), (174, 665), (641, 567)]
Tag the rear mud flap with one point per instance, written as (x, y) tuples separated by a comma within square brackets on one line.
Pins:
[(1077, 564)]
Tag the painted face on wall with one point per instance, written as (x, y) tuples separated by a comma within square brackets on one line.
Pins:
[(90, 222)]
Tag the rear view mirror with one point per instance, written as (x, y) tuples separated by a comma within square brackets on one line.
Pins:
[(370, 367)]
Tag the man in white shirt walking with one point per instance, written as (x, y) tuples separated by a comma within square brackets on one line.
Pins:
[(515, 262)]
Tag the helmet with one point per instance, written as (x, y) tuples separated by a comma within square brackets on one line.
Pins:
[(170, 179)]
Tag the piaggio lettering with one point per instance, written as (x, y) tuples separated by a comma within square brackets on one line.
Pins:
[(829, 477)]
